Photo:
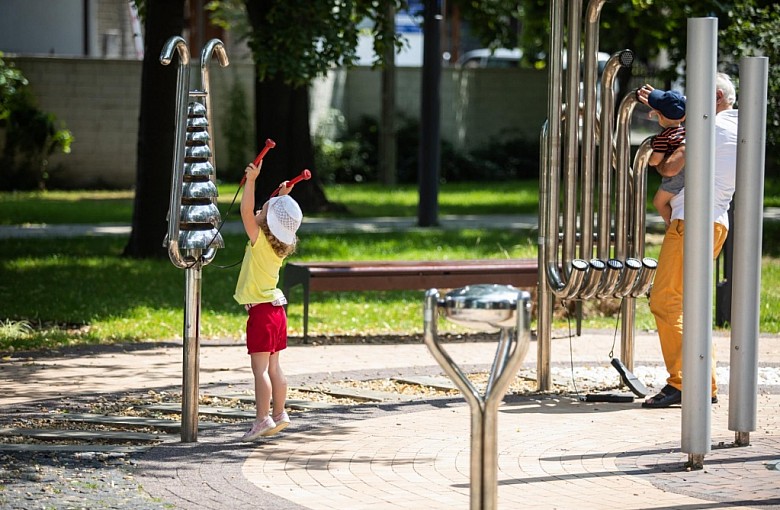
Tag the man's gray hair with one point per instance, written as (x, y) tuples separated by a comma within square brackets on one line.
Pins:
[(724, 84)]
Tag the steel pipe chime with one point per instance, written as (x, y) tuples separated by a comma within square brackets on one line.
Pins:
[(193, 218), (583, 253)]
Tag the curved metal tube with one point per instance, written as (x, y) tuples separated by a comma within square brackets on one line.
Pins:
[(177, 44), (610, 279), (649, 265), (592, 279), (589, 125), (548, 245), (628, 278), (213, 47), (623, 169), (605, 149), (642, 156), (571, 130), (551, 134), (645, 279)]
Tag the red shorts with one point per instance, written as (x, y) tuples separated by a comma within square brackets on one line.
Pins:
[(266, 329)]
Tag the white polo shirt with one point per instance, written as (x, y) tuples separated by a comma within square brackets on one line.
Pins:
[(725, 169)]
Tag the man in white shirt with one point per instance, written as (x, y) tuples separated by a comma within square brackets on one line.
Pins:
[(666, 297)]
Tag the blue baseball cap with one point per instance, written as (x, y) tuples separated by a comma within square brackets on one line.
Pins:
[(670, 103)]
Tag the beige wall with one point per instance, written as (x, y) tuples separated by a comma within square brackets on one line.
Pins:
[(98, 99)]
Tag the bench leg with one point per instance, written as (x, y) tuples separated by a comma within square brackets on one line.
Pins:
[(306, 313)]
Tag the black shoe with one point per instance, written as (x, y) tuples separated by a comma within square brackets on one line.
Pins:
[(668, 396)]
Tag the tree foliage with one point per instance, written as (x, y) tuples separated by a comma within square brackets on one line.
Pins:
[(755, 31), (300, 40), (649, 27)]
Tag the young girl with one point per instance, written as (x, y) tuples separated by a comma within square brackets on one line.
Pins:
[(271, 234)]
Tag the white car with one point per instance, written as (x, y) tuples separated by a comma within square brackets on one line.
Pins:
[(484, 57)]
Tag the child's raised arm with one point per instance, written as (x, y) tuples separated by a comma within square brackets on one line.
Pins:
[(248, 202)]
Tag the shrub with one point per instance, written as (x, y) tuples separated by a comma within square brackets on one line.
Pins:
[(345, 156), (29, 135)]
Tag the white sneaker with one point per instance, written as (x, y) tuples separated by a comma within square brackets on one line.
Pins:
[(282, 420), (258, 429)]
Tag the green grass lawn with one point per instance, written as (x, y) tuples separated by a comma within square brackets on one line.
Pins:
[(362, 201), (59, 286), (56, 292)]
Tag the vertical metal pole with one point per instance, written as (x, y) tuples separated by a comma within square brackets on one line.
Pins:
[(544, 293), (698, 243), (428, 207), (191, 370), (627, 331), (549, 204), (748, 218)]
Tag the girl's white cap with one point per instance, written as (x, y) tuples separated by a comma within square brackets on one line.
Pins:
[(284, 218)]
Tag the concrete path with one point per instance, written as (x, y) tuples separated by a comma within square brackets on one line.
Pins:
[(325, 225), (554, 451)]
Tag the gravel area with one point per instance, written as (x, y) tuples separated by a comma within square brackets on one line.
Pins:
[(49, 480)]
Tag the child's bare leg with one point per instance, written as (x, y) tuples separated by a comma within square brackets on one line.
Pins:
[(278, 384), (260, 361), (662, 204)]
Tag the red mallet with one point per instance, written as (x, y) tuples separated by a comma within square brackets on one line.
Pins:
[(304, 176), (269, 144)]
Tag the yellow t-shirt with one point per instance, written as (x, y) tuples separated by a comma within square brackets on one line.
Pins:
[(259, 274)]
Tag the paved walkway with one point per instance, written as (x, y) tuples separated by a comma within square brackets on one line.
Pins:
[(325, 225), (554, 451), (385, 224)]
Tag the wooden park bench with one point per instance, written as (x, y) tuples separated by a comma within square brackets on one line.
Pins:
[(403, 275)]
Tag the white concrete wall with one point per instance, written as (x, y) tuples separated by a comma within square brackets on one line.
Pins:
[(98, 99)]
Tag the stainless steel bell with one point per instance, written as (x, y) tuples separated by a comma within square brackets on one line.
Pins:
[(199, 189), (200, 239), (200, 213), (487, 307)]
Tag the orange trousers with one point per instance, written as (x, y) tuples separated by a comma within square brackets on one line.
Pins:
[(666, 298)]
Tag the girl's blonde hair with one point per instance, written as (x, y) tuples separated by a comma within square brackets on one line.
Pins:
[(281, 249)]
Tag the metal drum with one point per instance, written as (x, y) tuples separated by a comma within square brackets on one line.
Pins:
[(485, 307)]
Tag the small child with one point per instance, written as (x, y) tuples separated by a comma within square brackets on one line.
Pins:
[(669, 107), (272, 237)]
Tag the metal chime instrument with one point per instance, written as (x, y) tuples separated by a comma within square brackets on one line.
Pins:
[(193, 218), (583, 254)]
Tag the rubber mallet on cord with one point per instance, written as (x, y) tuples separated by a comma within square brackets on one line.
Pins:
[(303, 176), (269, 144)]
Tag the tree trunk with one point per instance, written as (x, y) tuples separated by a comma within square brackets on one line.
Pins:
[(156, 129), (388, 173), (282, 114)]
